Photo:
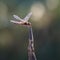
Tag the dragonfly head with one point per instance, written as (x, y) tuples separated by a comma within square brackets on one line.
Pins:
[(27, 23)]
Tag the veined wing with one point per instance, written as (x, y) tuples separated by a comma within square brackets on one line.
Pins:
[(15, 22), (17, 17), (27, 17)]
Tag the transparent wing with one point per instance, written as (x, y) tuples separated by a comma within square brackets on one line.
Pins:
[(27, 17), (17, 17), (15, 22)]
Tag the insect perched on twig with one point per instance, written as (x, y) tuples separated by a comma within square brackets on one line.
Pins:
[(24, 22)]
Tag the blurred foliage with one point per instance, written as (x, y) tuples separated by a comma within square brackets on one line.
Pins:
[(14, 38)]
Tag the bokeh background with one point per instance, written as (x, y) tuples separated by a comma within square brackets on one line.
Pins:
[(46, 29)]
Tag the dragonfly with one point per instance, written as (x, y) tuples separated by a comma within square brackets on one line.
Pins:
[(23, 21)]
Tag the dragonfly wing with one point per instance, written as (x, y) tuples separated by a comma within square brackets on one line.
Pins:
[(15, 22), (27, 17), (17, 17)]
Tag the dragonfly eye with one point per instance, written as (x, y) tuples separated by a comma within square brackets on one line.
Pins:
[(25, 23)]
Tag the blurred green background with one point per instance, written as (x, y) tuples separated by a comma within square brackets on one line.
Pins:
[(46, 29)]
